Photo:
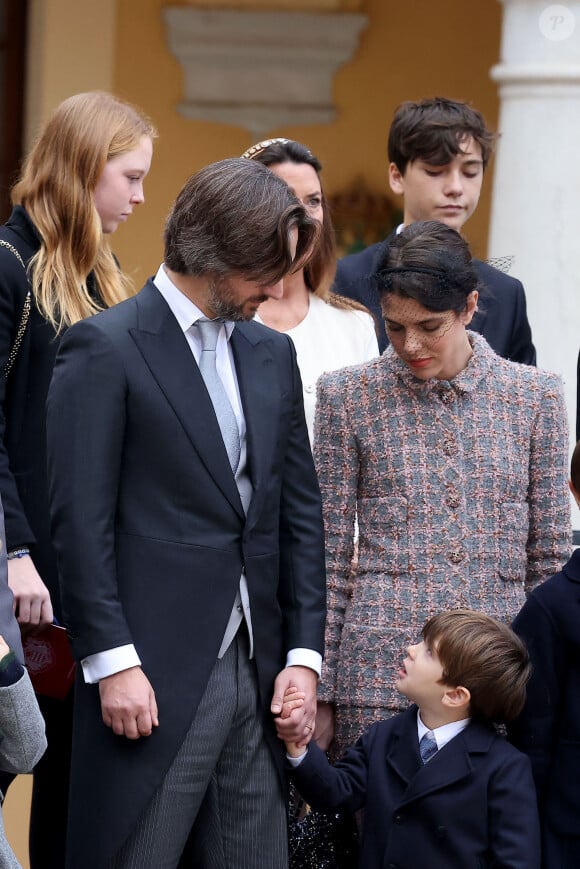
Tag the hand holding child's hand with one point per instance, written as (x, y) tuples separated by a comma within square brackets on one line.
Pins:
[(293, 699), (4, 647)]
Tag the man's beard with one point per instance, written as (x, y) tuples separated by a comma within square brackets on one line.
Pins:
[(222, 302)]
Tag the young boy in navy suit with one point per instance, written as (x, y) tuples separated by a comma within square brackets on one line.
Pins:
[(548, 728), (440, 787)]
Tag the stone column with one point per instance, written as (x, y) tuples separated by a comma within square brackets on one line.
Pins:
[(536, 193)]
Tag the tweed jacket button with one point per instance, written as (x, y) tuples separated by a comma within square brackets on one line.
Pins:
[(456, 556), (453, 501)]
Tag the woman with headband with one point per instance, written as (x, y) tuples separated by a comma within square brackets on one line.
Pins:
[(328, 331), (454, 462)]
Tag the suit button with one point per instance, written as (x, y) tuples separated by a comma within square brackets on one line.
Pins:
[(398, 819), (441, 832)]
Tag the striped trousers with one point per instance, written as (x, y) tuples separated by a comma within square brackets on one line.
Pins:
[(221, 795)]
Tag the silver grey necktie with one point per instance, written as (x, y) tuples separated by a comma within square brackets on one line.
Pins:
[(209, 331), (427, 746)]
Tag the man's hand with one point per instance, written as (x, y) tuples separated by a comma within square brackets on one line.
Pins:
[(298, 726), (31, 597), (128, 703)]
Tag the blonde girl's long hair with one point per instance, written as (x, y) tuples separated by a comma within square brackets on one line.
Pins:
[(56, 187)]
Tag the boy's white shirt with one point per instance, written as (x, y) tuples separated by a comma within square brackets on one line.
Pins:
[(443, 734)]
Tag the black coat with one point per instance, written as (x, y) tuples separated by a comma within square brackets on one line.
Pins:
[(151, 536), (501, 318), (23, 481), (548, 729), (471, 805)]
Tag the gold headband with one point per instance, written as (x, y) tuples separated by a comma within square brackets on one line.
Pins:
[(261, 146)]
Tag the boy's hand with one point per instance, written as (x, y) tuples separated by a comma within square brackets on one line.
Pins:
[(293, 699), (4, 647), (294, 750)]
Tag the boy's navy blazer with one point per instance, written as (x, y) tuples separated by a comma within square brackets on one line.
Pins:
[(501, 317), (471, 805), (548, 729)]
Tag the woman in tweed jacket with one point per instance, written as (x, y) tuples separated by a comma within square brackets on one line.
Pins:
[(453, 461)]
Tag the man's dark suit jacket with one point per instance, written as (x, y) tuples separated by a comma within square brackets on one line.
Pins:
[(151, 536), (548, 729), (501, 318), (472, 804)]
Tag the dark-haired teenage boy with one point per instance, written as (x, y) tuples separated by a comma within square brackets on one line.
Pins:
[(439, 785), (438, 151)]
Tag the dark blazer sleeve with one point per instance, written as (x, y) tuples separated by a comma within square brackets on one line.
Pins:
[(503, 319), (85, 428), (535, 730), (302, 582), (342, 786), (13, 289)]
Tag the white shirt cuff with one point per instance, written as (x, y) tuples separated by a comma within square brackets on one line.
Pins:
[(296, 761), (305, 658), (102, 664)]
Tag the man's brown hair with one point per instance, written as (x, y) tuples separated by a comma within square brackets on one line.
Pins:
[(434, 130), (235, 217), (483, 655)]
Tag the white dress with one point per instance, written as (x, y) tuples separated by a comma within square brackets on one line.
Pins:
[(329, 338)]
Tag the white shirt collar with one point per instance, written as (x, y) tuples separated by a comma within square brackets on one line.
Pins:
[(443, 734), (183, 309)]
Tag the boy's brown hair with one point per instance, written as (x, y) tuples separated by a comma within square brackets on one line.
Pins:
[(575, 468), (483, 655), (433, 130)]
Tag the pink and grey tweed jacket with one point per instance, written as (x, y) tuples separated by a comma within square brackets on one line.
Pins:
[(459, 489)]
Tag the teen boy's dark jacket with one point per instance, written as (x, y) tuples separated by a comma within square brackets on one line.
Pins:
[(501, 319), (548, 729), (471, 805)]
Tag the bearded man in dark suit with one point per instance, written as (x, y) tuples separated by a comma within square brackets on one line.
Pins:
[(187, 523)]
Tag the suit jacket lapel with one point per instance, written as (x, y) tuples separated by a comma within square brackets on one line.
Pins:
[(450, 764), (168, 356), (259, 392)]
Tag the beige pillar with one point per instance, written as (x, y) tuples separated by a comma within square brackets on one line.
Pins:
[(535, 213)]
